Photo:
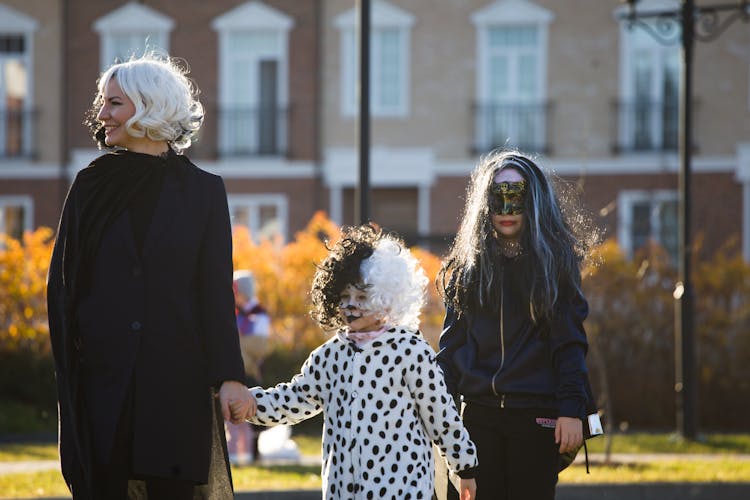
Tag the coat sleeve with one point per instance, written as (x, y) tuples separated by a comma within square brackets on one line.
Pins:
[(62, 344), (215, 288), (569, 345), (452, 338), (437, 410), (291, 402), (62, 255)]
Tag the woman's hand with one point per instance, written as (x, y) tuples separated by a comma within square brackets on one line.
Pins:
[(569, 433), (239, 396), (468, 489)]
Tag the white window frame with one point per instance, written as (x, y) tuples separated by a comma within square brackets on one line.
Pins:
[(626, 200), (13, 22), (628, 47), (251, 17), (253, 202), (23, 201), (136, 20), (511, 13), (383, 16)]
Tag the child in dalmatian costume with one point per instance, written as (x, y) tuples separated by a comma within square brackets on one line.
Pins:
[(376, 380)]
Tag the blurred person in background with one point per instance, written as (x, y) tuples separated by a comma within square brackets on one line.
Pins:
[(254, 326), (140, 300), (513, 345)]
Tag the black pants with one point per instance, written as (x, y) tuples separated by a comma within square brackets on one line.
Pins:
[(518, 457), (110, 479)]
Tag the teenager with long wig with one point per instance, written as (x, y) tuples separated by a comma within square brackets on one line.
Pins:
[(513, 345)]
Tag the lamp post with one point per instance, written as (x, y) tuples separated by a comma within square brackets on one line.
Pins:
[(701, 24), (362, 193)]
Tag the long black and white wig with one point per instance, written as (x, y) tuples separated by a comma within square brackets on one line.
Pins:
[(552, 244)]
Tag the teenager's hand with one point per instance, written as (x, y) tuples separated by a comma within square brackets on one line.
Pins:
[(468, 489), (234, 392), (569, 433)]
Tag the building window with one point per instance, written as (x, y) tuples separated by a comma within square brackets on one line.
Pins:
[(253, 80), (16, 80), (511, 107), (389, 60), (130, 31), (648, 108), (264, 215), (16, 215), (646, 217)]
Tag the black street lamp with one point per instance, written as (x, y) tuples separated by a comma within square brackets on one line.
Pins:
[(362, 193), (701, 24)]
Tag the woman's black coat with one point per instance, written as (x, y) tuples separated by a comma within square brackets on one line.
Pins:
[(160, 321)]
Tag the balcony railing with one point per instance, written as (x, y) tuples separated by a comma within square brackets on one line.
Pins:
[(646, 126), (253, 131), (521, 126), (16, 132)]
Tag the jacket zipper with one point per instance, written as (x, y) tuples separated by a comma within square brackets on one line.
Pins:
[(502, 338)]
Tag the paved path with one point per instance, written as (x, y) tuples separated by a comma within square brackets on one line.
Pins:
[(594, 458), (28, 466), (644, 491)]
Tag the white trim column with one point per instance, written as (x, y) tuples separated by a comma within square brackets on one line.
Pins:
[(423, 209), (743, 176), (392, 167), (336, 203)]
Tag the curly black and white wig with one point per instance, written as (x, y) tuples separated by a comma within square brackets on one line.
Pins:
[(378, 263), (555, 239)]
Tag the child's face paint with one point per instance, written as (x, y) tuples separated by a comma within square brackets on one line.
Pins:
[(354, 311)]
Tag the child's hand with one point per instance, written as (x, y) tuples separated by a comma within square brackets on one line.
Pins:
[(240, 410), (468, 489), (237, 394)]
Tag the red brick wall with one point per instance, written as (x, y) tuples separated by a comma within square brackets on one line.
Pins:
[(48, 196), (299, 193)]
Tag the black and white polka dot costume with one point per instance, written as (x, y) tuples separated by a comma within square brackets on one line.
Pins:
[(383, 404)]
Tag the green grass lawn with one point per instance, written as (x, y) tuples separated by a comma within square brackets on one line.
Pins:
[(726, 470), (721, 468), (643, 442)]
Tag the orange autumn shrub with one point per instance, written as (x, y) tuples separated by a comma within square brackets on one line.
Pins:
[(27, 380), (284, 274), (434, 311), (23, 277)]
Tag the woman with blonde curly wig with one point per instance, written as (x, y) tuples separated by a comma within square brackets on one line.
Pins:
[(140, 300)]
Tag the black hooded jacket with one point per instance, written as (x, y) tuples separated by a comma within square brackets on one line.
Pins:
[(505, 358)]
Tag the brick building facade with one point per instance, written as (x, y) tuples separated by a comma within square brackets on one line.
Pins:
[(451, 80)]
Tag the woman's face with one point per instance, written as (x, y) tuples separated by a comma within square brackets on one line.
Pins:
[(116, 110), (353, 310), (509, 191)]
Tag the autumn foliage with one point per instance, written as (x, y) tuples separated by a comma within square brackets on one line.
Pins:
[(23, 277), (284, 273), (630, 324), (631, 329)]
